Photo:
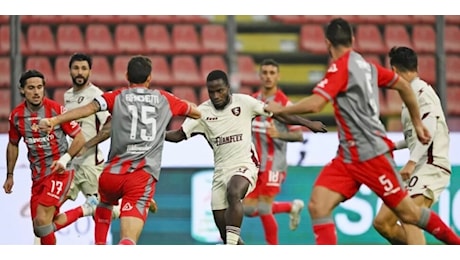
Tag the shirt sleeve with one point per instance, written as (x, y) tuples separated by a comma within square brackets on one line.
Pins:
[(13, 133), (192, 127), (385, 77), (107, 100), (334, 82), (420, 149), (71, 128), (257, 106), (178, 106)]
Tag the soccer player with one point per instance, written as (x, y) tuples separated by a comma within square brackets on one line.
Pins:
[(427, 173), (140, 116), (88, 164), (364, 153), (270, 138), (226, 124), (48, 154)]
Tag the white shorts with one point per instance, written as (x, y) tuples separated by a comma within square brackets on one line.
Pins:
[(86, 180), (222, 177), (429, 181)]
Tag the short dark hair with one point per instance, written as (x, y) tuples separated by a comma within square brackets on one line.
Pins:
[(80, 57), (139, 69), (217, 74), (339, 32), (271, 62), (30, 74), (403, 58)]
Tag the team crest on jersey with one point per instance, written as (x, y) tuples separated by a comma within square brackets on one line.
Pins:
[(80, 99), (34, 127), (236, 111)]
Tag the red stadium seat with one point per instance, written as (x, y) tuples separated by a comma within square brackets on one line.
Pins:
[(128, 40), (452, 39), (157, 39), (424, 19), (453, 96), (383, 103), (399, 19), (5, 72), (133, 19), (42, 64), (370, 19), (192, 19), (185, 39), (61, 71), (369, 39), (164, 19), (374, 58), (424, 38), (203, 95), (214, 38), (396, 35), (187, 93), (41, 40), (427, 68), (101, 73), (69, 39), (394, 102), (58, 95), (105, 19), (99, 39), (247, 71), (4, 126), (249, 90), (185, 71), (452, 67), (162, 75), (288, 19), (452, 19), (5, 100), (120, 65), (315, 19), (76, 19), (5, 41), (4, 19), (312, 39), (453, 123), (212, 62)]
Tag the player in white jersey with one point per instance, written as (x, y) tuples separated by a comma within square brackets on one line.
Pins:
[(88, 164), (427, 173), (226, 123)]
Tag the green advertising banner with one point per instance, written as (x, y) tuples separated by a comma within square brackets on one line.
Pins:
[(185, 218)]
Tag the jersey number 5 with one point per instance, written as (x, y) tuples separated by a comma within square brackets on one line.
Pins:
[(149, 123)]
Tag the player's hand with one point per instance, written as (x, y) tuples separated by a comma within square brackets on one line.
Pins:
[(407, 170), (153, 206), (423, 134), (8, 185), (45, 125), (58, 167), (273, 107), (316, 126), (272, 131)]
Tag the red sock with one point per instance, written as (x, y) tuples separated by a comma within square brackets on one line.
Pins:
[(270, 229), (281, 207), (71, 216), (102, 220), (126, 242), (440, 230), (325, 234), (49, 239)]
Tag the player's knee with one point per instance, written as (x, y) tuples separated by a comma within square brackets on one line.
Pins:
[(264, 208), (42, 231), (380, 225), (249, 210)]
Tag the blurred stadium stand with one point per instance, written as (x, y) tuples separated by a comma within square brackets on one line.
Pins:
[(185, 48)]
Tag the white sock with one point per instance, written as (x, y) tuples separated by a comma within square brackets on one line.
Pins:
[(233, 235)]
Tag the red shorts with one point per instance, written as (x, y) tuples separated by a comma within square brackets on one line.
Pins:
[(136, 189), (50, 191), (268, 184), (378, 173)]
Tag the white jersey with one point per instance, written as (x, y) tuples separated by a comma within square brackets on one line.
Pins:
[(228, 131), (431, 111), (90, 125)]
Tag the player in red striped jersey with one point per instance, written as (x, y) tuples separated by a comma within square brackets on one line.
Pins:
[(140, 116), (270, 138), (48, 154), (364, 153)]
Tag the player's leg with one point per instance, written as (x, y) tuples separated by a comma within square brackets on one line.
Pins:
[(137, 194), (219, 220), (386, 224), (237, 188), (414, 235), (333, 185)]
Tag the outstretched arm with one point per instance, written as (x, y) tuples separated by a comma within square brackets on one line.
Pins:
[(47, 124), (101, 136), (314, 126), (175, 136)]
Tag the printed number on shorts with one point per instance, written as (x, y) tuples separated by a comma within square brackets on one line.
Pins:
[(273, 176), (412, 181), (56, 187), (148, 132), (387, 185)]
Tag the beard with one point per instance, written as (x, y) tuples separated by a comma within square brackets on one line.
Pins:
[(79, 81)]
